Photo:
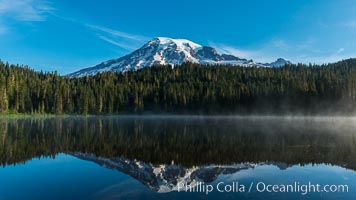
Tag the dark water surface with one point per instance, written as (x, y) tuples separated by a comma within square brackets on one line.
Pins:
[(186, 157)]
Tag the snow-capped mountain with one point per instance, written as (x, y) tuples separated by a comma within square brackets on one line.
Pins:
[(162, 51), (280, 62), (165, 178)]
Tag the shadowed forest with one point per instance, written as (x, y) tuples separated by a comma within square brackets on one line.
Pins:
[(189, 88)]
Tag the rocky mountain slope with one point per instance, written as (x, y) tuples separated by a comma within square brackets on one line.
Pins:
[(162, 51)]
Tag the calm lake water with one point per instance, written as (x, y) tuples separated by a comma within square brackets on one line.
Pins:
[(184, 157)]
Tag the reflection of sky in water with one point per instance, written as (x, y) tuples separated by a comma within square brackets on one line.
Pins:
[(67, 177), (188, 141)]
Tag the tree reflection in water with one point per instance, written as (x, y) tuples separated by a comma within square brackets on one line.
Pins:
[(186, 140)]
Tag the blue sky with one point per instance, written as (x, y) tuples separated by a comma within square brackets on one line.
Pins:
[(67, 35)]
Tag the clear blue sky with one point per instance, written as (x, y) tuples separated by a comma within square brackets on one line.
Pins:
[(67, 35)]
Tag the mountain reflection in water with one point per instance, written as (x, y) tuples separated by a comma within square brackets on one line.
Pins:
[(150, 156)]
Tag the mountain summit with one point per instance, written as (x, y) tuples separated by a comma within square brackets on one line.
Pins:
[(163, 50), (280, 62)]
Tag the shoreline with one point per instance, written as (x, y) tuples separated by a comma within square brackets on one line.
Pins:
[(175, 116)]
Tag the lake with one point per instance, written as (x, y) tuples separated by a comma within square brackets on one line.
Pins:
[(178, 157)]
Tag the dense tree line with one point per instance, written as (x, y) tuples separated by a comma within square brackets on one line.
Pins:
[(189, 88)]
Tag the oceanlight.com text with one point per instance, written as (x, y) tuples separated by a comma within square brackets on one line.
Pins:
[(261, 187)]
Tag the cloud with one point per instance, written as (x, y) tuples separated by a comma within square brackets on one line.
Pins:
[(340, 50), (307, 46), (349, 24), (263, 53), (270, 50), (25, 10), (303, 52), (3, 28), (120, 39), (119, 44), (124, 40), (281, 44), (323, 59), (323, 25), (117, 33), (14, 11), (226, 49)]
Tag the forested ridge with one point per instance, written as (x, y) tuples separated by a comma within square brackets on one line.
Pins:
[(189, 88)]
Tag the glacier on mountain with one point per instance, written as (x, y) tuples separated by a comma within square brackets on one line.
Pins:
[(168, 51)]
